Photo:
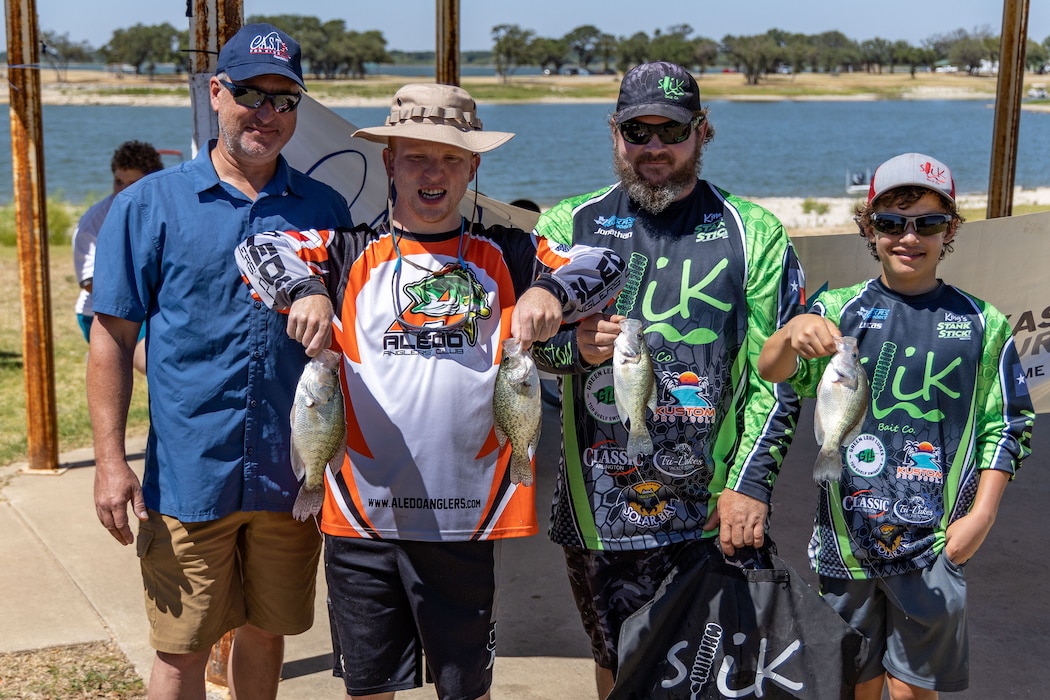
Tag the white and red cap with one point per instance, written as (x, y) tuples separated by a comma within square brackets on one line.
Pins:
[(912, 170)]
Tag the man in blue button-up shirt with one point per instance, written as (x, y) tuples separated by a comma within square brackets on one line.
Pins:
[(219, 547)]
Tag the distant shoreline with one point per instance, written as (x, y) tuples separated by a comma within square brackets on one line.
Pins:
[(103, 88)]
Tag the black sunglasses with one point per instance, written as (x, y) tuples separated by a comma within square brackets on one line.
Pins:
[(669, 133), (896, 224), (253, 99)]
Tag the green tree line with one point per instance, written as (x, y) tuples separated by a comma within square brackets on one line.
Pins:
[(333, 50), (753, 56)]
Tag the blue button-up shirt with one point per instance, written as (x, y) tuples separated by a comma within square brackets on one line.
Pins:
[(221, 368)]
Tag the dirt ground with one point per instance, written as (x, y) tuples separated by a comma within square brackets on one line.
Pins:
[(79, 671)]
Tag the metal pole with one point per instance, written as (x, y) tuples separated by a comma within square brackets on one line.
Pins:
[(446, 68), (30, 196), (1012, 43)]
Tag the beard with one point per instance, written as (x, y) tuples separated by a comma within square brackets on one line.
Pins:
[(655, 197)]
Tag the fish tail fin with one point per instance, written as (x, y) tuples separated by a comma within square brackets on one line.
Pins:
[(639, 442), (520, 469), (828, 466), (307, 503)]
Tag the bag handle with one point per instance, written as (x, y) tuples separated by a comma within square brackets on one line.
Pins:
[(759, 564)]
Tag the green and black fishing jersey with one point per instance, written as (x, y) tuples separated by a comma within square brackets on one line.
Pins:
[(710, 278), (948, 399)]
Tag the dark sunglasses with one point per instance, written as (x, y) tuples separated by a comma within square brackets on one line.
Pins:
[(669, 133), (896, 224), (253, 99)]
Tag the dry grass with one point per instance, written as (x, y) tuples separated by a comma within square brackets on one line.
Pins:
[(64, 673), (70, 352)]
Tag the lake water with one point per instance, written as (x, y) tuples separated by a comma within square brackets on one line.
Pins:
[(765, 149)]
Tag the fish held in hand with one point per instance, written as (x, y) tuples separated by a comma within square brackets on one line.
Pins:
[(318, 430), (517, 408), (634, 386), (842, 403)]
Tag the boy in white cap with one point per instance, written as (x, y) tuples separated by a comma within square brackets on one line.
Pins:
[(417, 503), (219, 547), (948, 423)]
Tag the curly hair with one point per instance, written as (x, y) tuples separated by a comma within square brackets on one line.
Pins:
[(902, 197), (136, 155)]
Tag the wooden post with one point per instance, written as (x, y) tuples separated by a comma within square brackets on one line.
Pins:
[(446, 68), (30, 200), (1012, 43), (219, 661), (212, 23)]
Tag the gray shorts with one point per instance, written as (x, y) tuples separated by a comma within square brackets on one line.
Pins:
[(915, 624), (392, 602)]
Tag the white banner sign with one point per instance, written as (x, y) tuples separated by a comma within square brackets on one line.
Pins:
[(323, 148)]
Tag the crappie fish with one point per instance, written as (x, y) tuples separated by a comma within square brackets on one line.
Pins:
[(842, 403), (517, 408), (634, 385), (318, 430)]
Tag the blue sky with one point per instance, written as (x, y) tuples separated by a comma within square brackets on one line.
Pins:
[(910, 20)]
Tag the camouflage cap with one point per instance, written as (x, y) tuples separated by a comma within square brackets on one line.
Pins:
[(660, 89)]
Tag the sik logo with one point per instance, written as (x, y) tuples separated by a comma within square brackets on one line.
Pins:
[(932, 380), (688, 292), (705, 654), (672, 88)]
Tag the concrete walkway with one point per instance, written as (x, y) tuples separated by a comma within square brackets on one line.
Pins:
[(66, 581)]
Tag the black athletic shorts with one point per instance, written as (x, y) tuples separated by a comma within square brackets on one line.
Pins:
[(391, 602)]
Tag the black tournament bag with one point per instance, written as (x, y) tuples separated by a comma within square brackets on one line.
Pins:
[(718, 630)]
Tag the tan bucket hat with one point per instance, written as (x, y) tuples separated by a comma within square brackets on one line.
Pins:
[(432, 112)]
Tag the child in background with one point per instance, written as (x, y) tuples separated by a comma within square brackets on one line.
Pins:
[(132, 161), (948, 423)]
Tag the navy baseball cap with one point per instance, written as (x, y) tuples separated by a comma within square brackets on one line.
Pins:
[(660, 89), (261, 49)]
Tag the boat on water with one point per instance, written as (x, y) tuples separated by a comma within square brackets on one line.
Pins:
[(858, 181), (1037, 92)]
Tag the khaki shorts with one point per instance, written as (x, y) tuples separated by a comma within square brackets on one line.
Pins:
[(203, 579)]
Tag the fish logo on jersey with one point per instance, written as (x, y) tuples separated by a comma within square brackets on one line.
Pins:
[(444, 301)]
